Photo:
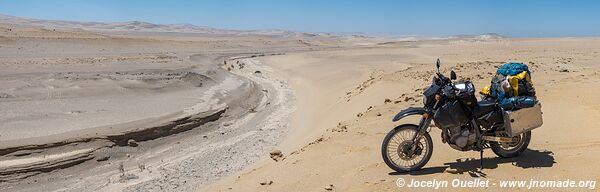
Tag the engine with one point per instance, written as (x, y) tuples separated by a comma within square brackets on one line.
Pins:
[(461, 138)]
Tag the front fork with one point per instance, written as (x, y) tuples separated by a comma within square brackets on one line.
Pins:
[(422, 128), (424, 123)]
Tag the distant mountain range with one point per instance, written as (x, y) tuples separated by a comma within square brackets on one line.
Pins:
[(140, 26)]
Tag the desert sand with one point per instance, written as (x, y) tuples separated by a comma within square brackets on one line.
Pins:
[(343, 115), (142, 107)]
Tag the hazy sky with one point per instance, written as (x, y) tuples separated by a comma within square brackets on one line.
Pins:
[(525, 18)]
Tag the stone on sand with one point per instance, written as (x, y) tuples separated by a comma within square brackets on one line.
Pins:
[(276, 155), (329, 187)]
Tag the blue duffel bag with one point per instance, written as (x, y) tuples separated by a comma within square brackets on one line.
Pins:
[(517, 102)]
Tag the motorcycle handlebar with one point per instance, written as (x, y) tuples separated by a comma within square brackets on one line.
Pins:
[(445, 79)]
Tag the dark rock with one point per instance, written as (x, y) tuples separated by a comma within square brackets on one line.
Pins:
[(329, 187), (132, 143), (340, 128), (276, 155)]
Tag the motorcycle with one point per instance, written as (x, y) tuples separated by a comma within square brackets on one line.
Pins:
[(466, 125)]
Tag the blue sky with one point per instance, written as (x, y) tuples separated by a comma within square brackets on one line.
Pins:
[(525, 18)]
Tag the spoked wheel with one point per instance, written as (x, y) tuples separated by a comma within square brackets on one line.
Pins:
[(514, 148), (401, 154)]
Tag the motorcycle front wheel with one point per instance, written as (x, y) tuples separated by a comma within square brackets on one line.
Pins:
[(514, 148), (397, 149)]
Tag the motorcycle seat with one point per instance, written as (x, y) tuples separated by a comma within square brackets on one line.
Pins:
[(484, 107)]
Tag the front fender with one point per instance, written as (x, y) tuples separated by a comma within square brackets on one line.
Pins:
[(408, 112)]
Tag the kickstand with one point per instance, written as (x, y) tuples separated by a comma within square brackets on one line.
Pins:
[(481, 160)]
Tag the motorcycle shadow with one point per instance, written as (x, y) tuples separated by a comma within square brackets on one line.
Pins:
[(528, 159)]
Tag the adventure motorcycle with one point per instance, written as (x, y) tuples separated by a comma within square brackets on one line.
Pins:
[(466, 124)]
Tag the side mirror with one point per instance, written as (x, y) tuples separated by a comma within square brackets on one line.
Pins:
[(437, 64), (452, 75)]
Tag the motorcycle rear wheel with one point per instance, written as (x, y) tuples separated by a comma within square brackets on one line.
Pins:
[(395, 143), (508, 150)]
